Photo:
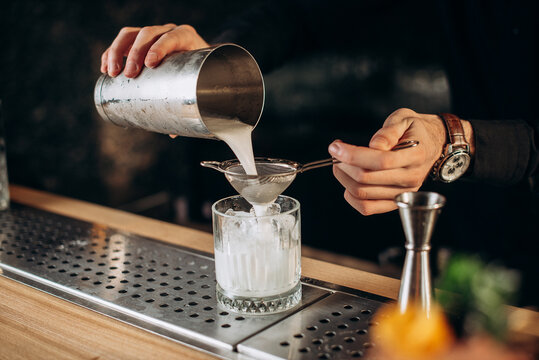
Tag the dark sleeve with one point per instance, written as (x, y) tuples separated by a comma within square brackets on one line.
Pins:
[(506, 151)]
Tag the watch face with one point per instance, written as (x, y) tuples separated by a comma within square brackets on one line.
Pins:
[(454, 166)]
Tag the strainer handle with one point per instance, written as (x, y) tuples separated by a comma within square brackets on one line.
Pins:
[(317, 164), (212, 165), (331, 161)]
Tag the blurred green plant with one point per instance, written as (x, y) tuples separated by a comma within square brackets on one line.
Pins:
[(473, 293)]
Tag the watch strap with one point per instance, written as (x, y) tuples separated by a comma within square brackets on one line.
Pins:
[(455, 131), (456, 141)]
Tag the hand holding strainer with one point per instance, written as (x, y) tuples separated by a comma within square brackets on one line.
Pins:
[(274, 175)]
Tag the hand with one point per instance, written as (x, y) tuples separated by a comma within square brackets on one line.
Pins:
[(374, 175), (147, 46)]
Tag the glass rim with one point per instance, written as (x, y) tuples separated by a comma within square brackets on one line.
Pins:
[(214, 210)]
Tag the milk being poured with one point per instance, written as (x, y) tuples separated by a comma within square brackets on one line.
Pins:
[(237, 135)]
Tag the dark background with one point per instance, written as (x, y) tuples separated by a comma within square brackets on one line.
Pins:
[(56, 142)]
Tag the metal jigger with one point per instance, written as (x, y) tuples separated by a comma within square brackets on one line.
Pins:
[(419, 212)]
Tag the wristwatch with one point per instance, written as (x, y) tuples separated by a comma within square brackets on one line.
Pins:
[(455, 158)]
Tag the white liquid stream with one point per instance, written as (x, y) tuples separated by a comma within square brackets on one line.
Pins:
[(237, 136), (253, 265)]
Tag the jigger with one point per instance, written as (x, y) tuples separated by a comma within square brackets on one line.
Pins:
[(419, 212)]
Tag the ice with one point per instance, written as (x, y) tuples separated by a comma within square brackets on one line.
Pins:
[(284, 221), (265, 210), (232, 212), (273, 209), (258, 255)]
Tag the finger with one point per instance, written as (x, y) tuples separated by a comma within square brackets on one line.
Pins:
[(183, 37), (104, 61), (374, 159), (119, 49), (173, 136), (393, 129), (146, 37), (370, 207), (367, 191), (402, 178)]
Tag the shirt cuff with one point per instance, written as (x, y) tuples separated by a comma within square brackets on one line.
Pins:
[(502, 151)]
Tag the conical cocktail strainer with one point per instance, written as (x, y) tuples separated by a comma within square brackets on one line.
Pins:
[(274, 176)]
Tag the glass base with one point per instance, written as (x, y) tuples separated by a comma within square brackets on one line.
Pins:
[(260, 305)]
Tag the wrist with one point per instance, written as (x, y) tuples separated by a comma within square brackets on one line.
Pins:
[(457, 151)]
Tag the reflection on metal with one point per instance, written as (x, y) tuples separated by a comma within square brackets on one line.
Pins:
[(336, 327), (165, 289), (419, 212)]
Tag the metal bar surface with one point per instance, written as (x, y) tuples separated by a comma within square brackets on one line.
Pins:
[(159, 287)]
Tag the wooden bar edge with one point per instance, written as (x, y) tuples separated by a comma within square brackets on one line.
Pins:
[(522, 321)]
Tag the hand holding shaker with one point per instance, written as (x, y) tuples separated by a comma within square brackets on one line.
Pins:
[(186, 93)]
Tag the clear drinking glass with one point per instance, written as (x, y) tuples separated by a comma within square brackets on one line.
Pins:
[(257, 258)]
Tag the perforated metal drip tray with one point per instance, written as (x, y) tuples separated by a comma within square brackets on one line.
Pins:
[(170, 291)]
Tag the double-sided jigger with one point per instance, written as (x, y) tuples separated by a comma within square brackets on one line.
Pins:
[(419, 212)]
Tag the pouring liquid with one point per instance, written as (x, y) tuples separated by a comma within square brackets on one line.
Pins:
[(237, 135)]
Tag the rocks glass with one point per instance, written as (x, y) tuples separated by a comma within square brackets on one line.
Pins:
[(257, 258)]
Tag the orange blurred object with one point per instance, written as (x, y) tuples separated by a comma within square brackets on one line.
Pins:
[(411, 335)]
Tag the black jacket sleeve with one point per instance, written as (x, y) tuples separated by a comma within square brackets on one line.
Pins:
[(506, 151)]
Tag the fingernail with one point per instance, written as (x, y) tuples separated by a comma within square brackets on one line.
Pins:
[(114, 69), (151, 59), (131, 68), (335, 149)]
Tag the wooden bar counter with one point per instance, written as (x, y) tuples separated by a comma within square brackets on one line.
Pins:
[(36, 325)]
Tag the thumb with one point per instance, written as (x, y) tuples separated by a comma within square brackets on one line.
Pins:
[(389, 135)]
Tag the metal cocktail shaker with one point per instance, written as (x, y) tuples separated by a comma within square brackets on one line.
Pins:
[(419, 212), (186, 92)]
